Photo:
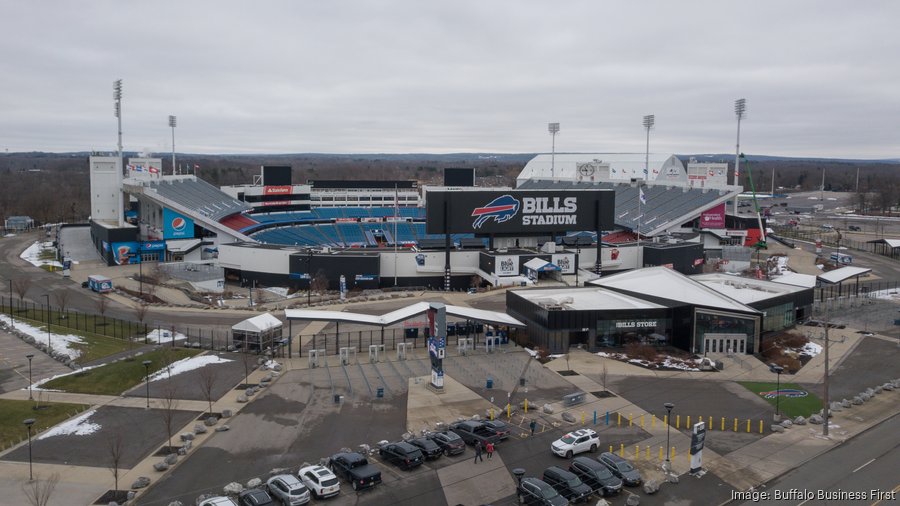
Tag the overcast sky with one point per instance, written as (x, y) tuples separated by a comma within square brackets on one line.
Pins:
[(821, 78)]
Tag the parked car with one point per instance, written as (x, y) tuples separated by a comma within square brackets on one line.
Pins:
[(621, 468), (855, 228), (567, 483), (582, 440), (535, 491), (429, 448), (320, 481), (498, 427), (402, 454), (596, 475), (471, 431), (288, 489), (218, 501), (255, 497), (355, 468), (449, 441)]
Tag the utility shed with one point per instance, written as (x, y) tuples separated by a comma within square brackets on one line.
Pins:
[(256, 334)]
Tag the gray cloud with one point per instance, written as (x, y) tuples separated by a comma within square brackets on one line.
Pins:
[(407, 76)]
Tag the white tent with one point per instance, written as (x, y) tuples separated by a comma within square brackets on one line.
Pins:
[(257, 333)]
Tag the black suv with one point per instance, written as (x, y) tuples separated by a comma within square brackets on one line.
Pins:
[(356, 469), (429, 448), (255, 497), (449, 441), (596, 475), (471, 431), (535, 491), (567, 484), (498, 427), (402, 454), (621, 468)]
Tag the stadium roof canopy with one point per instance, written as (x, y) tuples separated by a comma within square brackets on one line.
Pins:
[(666, 207), (405, 313), (843, 274), (585, 299), (623, 166), (204, 198)]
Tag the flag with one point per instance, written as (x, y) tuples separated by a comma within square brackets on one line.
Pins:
[(641, 196), (196, 166), (154, 170)]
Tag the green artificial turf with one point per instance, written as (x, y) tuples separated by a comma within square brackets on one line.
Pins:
[(790, 406)]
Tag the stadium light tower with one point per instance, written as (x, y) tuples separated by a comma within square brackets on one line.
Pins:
[(117, 97), (172, 122), (553, 128), (740, 110), (649, 121)]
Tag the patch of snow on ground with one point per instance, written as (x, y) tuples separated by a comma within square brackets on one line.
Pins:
[(281, 292), (886, 294), (681, 365), (187, 364), (270, 364), (37, 386), (811, 349), (32, 255), (162, 336), (78, 426), (61, 343), (531, 352)]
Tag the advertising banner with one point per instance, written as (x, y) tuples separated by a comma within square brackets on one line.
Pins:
[(565, 262), (125, 253), (277, 190), (713, 218), (698, 437), (506, 265), (176, 225), (519, 211)]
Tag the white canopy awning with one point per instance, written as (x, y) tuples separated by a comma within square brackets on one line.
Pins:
[(182, 245), (259, 323), (843, 274), (540, 265), (405, 313)]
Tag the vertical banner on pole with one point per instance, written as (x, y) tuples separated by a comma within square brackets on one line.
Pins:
[(343, 288), (698, 437), (437, 343)]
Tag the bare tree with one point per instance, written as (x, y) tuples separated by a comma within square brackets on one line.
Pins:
[(319, 282), (166, 356), (208, 379), (115, 447), (62, 300), (21, 286), (140, 312), (102, 304), (38, 491), (247, 359), (169, 406)]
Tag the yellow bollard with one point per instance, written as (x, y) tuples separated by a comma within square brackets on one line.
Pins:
[(660, 454), (723, 423), (687, 424), (673, 454), (582, 418), (492, 413), (748, 426), (677, 421), (610, 449), (710, 423), (621, 449), (637, 452), (735, 424), (760, 426), (508, 410), (619, 422), (526, 406), (652, 421), (629, 419), (642, 421), (665, 420)]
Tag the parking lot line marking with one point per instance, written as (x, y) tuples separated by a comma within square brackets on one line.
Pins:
[(864, 465)]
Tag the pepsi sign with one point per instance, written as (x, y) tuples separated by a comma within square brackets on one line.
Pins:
[(176, 225), (519, 211)]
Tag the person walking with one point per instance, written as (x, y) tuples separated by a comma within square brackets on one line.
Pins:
[(490, 449), (478, 452), (533, 426)]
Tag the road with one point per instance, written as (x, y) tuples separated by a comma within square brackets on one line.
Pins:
[(865, 464)]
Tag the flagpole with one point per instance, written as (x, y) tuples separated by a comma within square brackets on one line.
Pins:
[(396, 212), (640, 260)]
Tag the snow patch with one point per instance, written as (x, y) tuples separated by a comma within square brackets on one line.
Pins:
[(187, 364), (61, 343), (37, 386), (162, 336), (811, 349), (78, 426), (32, 254), (281, 292)]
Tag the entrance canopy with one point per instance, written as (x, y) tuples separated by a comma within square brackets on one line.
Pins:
[(843, 274), (541, 265), (405, 313)]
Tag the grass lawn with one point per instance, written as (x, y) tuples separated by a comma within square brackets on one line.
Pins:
[(13, 413), (116, 377), (791, 406)]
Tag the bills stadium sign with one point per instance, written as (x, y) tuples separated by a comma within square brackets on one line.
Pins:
[(519, 211)]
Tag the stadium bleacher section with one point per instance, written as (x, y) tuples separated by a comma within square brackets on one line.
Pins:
[(196, 194)]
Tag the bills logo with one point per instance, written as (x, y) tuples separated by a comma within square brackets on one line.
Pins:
[(178, 224), (784, 392), (501, 209)]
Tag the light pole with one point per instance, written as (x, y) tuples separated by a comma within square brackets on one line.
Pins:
[(669, 407), (649, 121), (777, 369), (309, 274), (553, 128), (577, 257), (28, 423), (141, 267), (117, 98), (172, 122), (147, 375), (49, 344), (29, 357), (740, 108)]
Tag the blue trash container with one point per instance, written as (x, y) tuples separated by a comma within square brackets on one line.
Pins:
[(380, 392), (490, 383)]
